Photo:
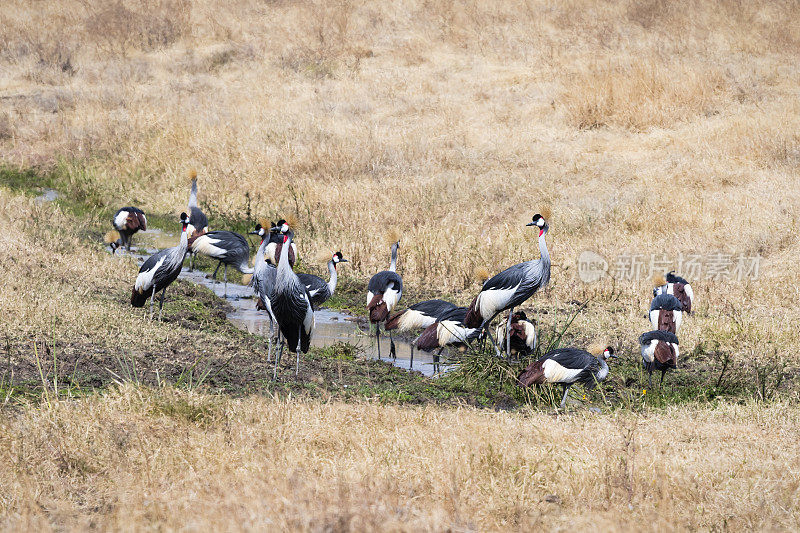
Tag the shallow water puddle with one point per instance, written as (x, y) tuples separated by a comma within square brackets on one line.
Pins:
[(330, 326)]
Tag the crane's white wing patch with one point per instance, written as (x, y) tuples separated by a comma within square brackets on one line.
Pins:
[(206, 245), (144, 281), (491, 301), (654, 318), (555, 373), (391, 297), (648, 351), (120, 220), (412, 319)]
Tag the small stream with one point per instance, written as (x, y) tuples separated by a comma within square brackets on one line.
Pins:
[(330, 326)]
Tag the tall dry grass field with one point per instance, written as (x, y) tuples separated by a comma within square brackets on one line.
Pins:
[(136, 459), (648, 127)]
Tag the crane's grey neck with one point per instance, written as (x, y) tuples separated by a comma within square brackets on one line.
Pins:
[(334, 276), (260, 253), (603, 372), (284, 268), (180, 250), (545, 257), (393, 260), (193, 195)]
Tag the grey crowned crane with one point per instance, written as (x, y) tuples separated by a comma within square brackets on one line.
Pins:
[(418, 316), (659, 352), (291, 305), (677, 287), (159, 271), (383, 293), (198, 222), (319, 289), (512, 286), (228, 248), (666, 313), (127, 221), (263, 282), (523, 333), (276, 238), (448, 330), (568, 366)]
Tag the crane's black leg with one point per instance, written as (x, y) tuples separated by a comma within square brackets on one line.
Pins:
[(225, 292), (508, 335), (271, 332), (392, 350), (161, 304), (663, 371), (378, 338), (191, 261), (299, 340), (566, 391), (485, 327), (214, 275), (128, 239), (277, 362), (152, 297), (436, 359), (411, 364)]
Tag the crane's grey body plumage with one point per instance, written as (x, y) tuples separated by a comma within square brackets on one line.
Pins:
[(384, 291), (320, 290), (292, 307), (228, 248), (158, 272), (566, 366), (263, 283)]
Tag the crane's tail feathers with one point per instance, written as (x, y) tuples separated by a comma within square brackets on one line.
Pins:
[(473, 318), (139, 298), (428, 339), (378, 313), (534, 374), (394, 321)]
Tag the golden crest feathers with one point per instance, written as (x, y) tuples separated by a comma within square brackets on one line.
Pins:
[(659, 280), (266, 224), (192, 175), (546, 213), (392, 236), (111, 236), (292, 220), (481, 273), (597, 348)]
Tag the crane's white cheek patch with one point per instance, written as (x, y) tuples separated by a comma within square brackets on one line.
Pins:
[(370, 296), (144, 281), (492, 300), (391, 297), (654, 318), (648, 351), (205, 245), (413, 319), (121, 219), (555, 373)]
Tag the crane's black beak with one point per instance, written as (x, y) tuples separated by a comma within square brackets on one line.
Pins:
[(252, 233), (531, 224), (275, 228), (343, 260)]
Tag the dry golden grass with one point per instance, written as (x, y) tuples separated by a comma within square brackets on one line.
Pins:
[(135, 459), (647, 127)]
